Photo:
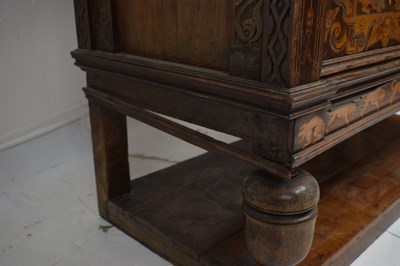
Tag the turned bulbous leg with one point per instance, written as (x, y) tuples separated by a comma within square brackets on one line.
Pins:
[(280, 217)]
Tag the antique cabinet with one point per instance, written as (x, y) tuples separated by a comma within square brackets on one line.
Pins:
[(292, 78)]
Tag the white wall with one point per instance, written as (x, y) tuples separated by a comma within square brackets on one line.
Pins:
[(40, 88)]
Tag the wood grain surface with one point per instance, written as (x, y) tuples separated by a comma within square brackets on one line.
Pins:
[(191, 213), (195, 34)]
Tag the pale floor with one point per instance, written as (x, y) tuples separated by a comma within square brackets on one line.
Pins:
[(48, 212)]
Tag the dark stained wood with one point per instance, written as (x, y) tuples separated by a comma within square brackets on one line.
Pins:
[(278, 44), (280, 216), (184, 209), (273, 98), (188, 77), (371, 205), (245, 56), (144, 38), (110, 149), (191, 213), (333, 139), (358, 106), (258, 115), (212, 112), (176, 31), (251, 125), (292, 42), (82, 24), (94, 25), (192, 136), (341, 64), (292, 77), (357, 81), (102, 25)]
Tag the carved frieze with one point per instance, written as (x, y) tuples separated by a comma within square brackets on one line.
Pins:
[(248, 24)]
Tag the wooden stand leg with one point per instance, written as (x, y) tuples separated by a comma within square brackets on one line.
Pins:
[(110, 152), (280, 217)]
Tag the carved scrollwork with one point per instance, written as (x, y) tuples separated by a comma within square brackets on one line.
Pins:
[(245, 57), (278, 41), (249, 20)]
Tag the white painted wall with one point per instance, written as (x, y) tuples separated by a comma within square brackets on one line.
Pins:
[(40, 88)]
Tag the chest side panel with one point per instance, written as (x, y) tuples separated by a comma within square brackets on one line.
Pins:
[(195, 33)]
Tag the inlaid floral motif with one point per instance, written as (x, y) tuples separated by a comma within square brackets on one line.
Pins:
[(355, 26)]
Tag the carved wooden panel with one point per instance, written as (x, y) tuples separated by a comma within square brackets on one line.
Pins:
[(345, 113), (292, 41), (355, 26), (277, 18), (245, 54)]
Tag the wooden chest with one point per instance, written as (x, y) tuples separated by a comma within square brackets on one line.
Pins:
[(293, 78)]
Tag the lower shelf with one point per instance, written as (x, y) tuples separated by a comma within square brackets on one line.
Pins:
[(191, 214)]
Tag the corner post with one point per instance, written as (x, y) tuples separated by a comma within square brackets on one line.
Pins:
[(110, 152)]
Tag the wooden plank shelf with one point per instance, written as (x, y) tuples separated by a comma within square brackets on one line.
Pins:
[(191, 213)]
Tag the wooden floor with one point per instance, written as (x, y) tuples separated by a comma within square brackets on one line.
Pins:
[(190, 213)]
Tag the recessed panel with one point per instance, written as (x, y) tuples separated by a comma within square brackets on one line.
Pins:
[(194, 32)]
